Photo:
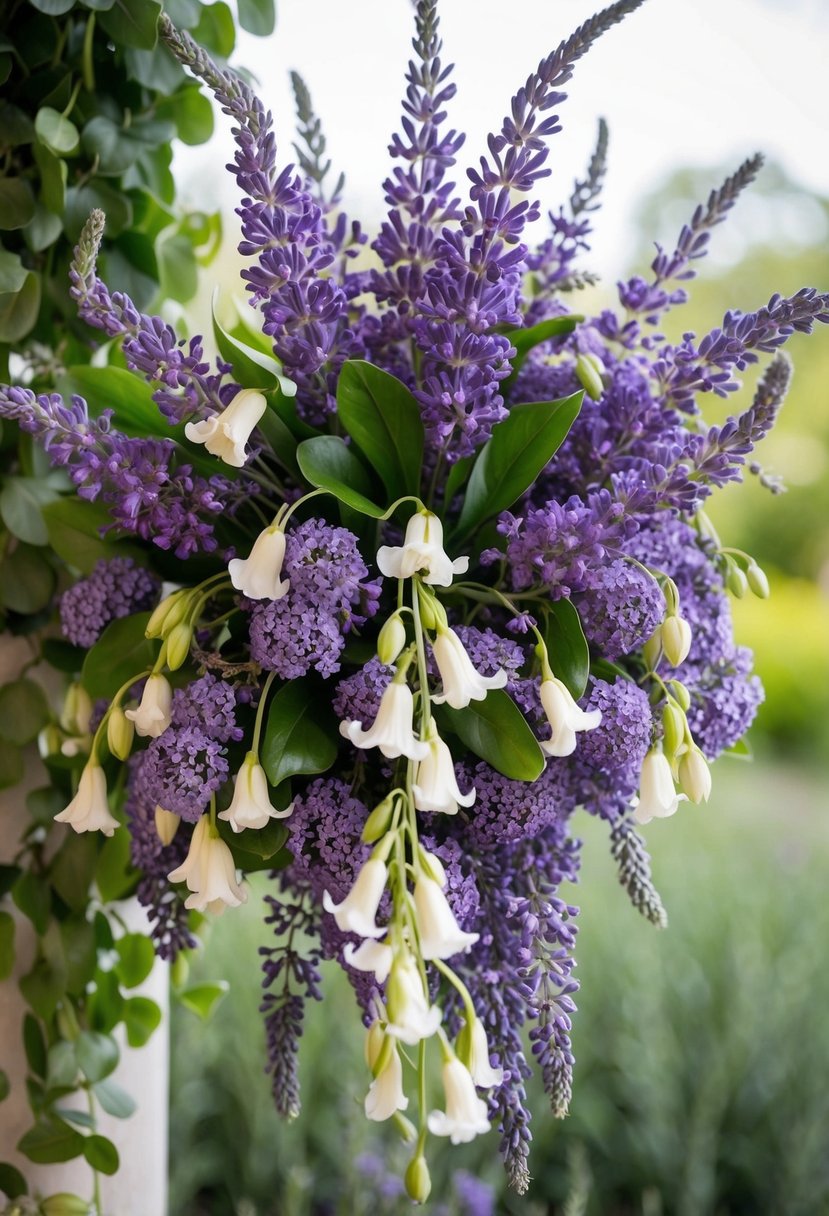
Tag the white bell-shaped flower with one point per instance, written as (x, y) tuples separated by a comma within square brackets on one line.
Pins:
[(435, 786), (251, 806), (152, 717), (422, 551), (226, 434), (658, 798), (565, 718), (385, 1095), (410, 1016), (370, 955), (356, 913), (465, 1116), (209, 871), (461, 682), (440, 934), (695, 775), (392, 730), (259, 575), (89, 810), (483, 1074)]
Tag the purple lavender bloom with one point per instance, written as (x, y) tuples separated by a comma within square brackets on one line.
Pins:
[(476, 1198), (116, 588)]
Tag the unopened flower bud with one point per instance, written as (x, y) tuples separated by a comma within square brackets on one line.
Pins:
[(757, 581), (77, 710), (652, 649), (736, 581), (418, 1182), (680, 694), (375, 1039), (49, 740), (120, 733), (168, 614), (391, 640), (404, 1127), (676, 639), (428, 615), (673, 724), (378, 821), (166, 825), (695, 776), (589, 374), (178, 645)]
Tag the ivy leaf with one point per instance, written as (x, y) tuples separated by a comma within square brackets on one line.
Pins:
[(203, 999), (135, 959), (114, 1100), (567, 646), (56, 132), (97, 1054), (122, 651), (141, 1017), (497, 731), (520, 447), (383, 419), (525, 339), (330, 464), (101, 1154), (299, 737), (50, 1141)]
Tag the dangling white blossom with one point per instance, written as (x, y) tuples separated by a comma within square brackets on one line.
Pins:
[(482, 1072), (385, 1095), (251, 806), (392, 730), (410, 1016), (259, 575), (695, 775), (676, 639), (440, 934), (152, 717), (356, 913), (89, 810), (657, 796), (209, 871), (565, 718), (461, 682), (465, 1116), (226, 434), (370, 955), (435, 786), (422, 551)]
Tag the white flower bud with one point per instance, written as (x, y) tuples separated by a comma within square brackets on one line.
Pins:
[(391, 639), (461, 682), (356, 913), (676, 639), (695, 775), (166, 825), (566, 718), (120, 733)]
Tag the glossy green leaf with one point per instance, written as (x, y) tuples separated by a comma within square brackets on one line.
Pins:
[(74, 528), (383, 419), (62, 1065), (496, 730), (73, 868), (281, 439), (190, 110), (203, 999), (135, 958), (27, 580), (18, 310), (520, 447), (216, 30), (52, 8), (114, 874), (525, 339), (43, 229), (105, 1005), (101, 1154), (133, 22), (50, 1141), (12, 1182), (24, 711), (97, 1054), (88, 196), (257, 16), (57, 133), (330, 464), (158, 70), (32, 896), (141, 1017), (12, 272), (54, 175), (17, 203), (255, 849), (34, 1045), (121, 652), (299, 737), (21, 502), (79, 950), (114, 1100), (567, 646), (252, 368), (6, 944), (177, 266)]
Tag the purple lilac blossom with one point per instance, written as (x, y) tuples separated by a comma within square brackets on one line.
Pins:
[(621, 609), (116, 588), (357, 697), (209, 703), (183, 768)]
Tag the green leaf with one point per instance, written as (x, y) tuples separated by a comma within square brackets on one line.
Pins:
[(136, 957), (520, 447), (12, 1182), (132, 23), (18, 310), (383, 419), (16, 125), (17, 203), (280, 438), (330, 464), (257, 17), (106, 1004), (73, 868), (27, 580), (114, 875), (32, 896), (21, 503), (141, 1017), (12, 272), (121, 652), (45, 984), (57, 133), (11, 765), (203, 999), (64, 1204), (5, 1090), (24, 711), (567, 646), (299, 736), (255, 850), (252, 368), (496, 730), (43, 229), (53, 177), (80, 200), (62, 655), (177, 267), (52, 8), (79, 950), (97, 1054), (34, 1045), (73, 525), (114, 1100), (50, 1141), (525, 339), (216, 30), (101, 1154), (190, 110), (62, 1066), (158, 70), (6, 944)]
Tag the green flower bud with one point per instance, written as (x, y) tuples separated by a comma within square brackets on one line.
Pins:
[(589, 373), (169, 613), (652, 649), (76, 713), (757, 581), (391, 640), (378, 821), (178, 645), (680, 694), (695, 776), (427, 605), (673, 724), (62, 1204), (166, 824), (404, 1127), (736, 581), (418, 1182), (120, 733)]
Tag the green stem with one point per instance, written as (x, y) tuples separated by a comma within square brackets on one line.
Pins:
[(88, 65), (260, 712), (96, 1177), (70, 105), (422, 673)]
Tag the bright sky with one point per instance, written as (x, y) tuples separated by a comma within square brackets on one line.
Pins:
[(682, 83)]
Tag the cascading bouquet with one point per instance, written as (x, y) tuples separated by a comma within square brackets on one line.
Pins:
[(441, 575)]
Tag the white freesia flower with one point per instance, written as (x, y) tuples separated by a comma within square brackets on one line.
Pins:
[(356, 913), (392, 730), (422, 550), (657, 797), (565, 717), (226, 434), (259, 575), (370, 955), (251, 806), (385, 1095), (152, 717), (482, 1072), (440, 934), (410, 1016), (89, 810), (209, 871), (461, 682), (695, 775), (465, 1116), (436, 787), (676, 639)]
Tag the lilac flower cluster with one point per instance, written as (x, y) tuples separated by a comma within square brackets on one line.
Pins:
[(116, 587)]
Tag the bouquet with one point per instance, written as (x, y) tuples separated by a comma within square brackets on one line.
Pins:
[(418, 567)]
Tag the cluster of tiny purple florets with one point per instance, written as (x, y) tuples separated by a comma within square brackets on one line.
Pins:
[(116, 588)]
